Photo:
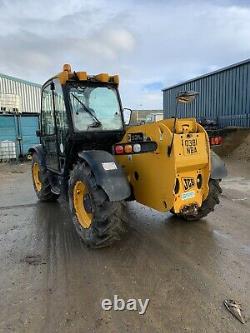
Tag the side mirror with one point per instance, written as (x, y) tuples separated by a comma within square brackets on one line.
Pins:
[(127, 113), (38, 133)]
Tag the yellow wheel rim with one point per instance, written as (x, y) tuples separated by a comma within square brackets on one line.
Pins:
[(36, 176), (79, 193)]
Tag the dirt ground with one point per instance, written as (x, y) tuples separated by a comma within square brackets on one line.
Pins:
[(50, 282)]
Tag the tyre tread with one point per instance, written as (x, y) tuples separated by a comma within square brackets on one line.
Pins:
[(108, 223)]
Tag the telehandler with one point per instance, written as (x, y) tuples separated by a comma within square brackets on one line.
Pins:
[(90, 157)]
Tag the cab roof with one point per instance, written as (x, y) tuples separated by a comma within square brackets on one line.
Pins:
[(67, 75)]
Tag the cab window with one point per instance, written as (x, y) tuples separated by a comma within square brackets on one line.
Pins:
[(47, 116)]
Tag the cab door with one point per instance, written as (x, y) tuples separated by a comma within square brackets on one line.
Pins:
[(49, 132), (62, 128)]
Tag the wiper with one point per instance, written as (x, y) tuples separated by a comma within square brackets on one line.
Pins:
[(89, 111), (95, 124)]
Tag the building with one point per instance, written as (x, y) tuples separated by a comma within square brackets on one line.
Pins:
[(224, 96), (19, 111), (19, 95), (139, 116)]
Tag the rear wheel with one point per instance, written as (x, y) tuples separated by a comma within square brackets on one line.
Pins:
[(41, 182), (208, 205), (98, 221)]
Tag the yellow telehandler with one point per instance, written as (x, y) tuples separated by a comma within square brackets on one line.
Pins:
[(90, 157)]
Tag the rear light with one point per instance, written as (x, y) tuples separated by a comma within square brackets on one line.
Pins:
[(134, 148), (216, 140), (212, 141), (137, 148), (128, 149), (119, 149)]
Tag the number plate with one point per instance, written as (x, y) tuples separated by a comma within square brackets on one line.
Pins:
[(190, 146)]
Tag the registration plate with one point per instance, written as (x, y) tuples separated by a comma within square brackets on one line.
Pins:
[(190, 146)]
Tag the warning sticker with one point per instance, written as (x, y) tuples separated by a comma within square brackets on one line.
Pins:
[(188, 195), (109, 166)]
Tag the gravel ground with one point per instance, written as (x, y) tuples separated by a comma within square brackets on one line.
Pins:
[(51, 283)]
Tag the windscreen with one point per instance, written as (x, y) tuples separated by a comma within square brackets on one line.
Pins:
[(95, 108)]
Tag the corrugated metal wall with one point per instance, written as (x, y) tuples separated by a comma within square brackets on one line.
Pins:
[(30, 93), (8, 128), (20, 129), (224, 96)]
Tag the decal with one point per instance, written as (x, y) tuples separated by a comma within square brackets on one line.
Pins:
[(136, 137), (109, 166), (188, 183), (188, 195)]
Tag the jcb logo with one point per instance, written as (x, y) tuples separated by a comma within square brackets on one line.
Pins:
[(188, 183)]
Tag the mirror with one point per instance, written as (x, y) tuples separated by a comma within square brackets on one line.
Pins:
[(186, 96), (127, 115), (38, 133)]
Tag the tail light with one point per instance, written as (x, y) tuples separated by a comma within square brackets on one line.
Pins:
[(119, 149), (216, 140), (134, 148)]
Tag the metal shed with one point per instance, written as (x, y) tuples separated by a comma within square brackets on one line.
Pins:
[(224, 96), (18, 95), (19, 115)]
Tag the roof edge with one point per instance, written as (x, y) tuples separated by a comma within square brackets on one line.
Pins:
[(20, 80), (209, 74)]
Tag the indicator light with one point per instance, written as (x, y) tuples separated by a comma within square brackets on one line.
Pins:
[(128, 149)]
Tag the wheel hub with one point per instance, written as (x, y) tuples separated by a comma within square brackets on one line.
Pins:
[(82, 204), (36, 176)]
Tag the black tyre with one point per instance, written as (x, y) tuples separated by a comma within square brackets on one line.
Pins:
[(208, 205), (98, 221), (41, 182)]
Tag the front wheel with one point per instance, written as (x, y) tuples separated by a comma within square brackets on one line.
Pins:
[(98, 221), (41, 182), (208, 205)]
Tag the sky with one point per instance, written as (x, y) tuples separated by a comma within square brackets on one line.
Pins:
[(151, 44)]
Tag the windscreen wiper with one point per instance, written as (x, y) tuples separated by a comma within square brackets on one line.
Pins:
[(89, 111)]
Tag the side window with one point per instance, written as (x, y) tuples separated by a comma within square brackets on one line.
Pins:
[(60, 115), (48, 124), (60, 110)]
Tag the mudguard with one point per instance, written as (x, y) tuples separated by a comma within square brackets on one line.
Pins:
[(218, 168), (108, 174), (40, 153)]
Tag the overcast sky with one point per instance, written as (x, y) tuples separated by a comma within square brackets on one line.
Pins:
[(152, 44)]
